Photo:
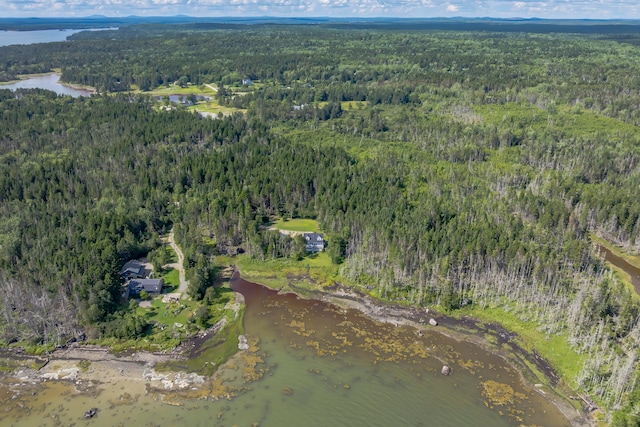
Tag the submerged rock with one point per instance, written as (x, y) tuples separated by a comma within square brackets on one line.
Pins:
[(243, 344)]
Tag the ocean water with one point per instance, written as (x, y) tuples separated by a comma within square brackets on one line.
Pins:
[(313, 364)]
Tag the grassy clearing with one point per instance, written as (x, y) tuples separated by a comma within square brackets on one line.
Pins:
[(173, 89), (353, 105), (312, 272), (319, 259), (204, 106), (169, 313), (171, 277), (297, 224), (214, 107), (214, 352), (553, 348)]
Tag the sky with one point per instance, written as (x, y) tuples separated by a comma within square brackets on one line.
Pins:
[(595, 9)]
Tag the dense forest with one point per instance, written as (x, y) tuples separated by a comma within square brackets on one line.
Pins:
[(446, 168)]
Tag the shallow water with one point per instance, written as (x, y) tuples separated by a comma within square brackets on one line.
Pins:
[(314, 364)]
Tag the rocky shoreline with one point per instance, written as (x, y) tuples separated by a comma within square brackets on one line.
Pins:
[(88, 366)]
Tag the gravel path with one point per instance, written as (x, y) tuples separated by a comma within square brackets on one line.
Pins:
[(182, 289)]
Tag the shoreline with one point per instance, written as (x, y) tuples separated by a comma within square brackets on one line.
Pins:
[(464, 329), (23, 77), (86, 367)]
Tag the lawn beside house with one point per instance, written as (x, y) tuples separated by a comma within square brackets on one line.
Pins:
[(171, 279), (297, 225)]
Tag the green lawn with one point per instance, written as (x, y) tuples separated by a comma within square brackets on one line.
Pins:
[(214, 107), (177, 90), (171, 279), (168, 314), (319, 259), (297, 224)]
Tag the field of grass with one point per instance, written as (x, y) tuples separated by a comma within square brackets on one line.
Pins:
[(297, 224), (312, 272)]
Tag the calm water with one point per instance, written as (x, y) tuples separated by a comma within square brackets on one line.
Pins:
[(46, 81), (8, 38), (621, 263), (313, 364)]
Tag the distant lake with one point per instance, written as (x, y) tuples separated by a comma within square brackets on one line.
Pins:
[(49, 82), (8, 38)]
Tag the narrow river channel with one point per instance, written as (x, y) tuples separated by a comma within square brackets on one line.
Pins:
[(621, 263), (311, 364)]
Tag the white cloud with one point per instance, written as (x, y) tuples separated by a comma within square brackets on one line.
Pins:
[(390, 8)]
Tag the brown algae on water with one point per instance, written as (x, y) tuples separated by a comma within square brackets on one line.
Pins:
[(304, 356)]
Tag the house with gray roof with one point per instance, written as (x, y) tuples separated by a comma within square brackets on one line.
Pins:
[(150, 286), (315, 242), (133, 269)]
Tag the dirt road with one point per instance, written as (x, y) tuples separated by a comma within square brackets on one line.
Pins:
[(182, 289)]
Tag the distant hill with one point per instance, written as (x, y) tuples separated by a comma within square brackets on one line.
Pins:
[(534, 25)]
